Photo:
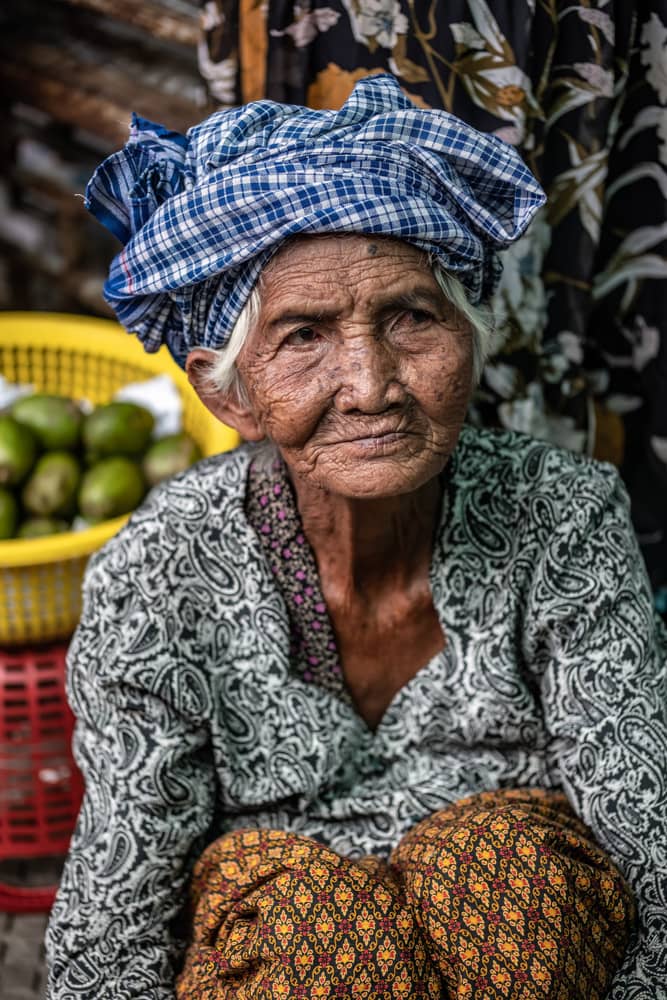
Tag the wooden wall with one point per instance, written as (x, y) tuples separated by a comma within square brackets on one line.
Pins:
[(71, 71)]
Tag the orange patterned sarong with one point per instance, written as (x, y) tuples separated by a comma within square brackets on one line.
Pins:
[(503, 894)]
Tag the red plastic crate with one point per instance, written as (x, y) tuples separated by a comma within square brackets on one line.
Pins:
[(40, 785)]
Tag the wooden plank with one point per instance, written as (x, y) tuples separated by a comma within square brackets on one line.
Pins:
[(67, 104), (149, 17), (131, 75), (93, 97), (71, 72), (105, 67)]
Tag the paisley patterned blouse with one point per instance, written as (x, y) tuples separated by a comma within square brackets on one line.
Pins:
[(203, 707)]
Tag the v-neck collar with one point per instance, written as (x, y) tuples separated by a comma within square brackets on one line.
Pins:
[(271, 510)]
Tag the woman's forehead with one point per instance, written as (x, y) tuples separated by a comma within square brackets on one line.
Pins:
[(344, 268), (312, 252)]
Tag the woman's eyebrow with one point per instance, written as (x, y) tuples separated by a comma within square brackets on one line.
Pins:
[(420, 299), (413, 298), (303, 316)]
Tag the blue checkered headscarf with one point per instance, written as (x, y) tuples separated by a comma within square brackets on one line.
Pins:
[(201, 214)]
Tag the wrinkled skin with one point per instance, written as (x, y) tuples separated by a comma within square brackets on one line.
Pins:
[(360, 372), (357, 370)]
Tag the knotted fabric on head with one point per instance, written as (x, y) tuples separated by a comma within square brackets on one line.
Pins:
[(200, 215)]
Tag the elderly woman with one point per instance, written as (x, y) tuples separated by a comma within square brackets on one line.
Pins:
[(397, 678)]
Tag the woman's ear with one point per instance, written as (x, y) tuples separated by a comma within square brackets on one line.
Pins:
[(226, 405)]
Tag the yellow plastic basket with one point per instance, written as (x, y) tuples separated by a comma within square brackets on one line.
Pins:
[(85, 358)]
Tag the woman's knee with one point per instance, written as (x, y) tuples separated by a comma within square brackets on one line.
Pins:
[(276, 912), (512, 884)]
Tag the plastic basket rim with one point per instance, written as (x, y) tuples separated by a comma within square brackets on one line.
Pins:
[(69, 545), (19, 552)]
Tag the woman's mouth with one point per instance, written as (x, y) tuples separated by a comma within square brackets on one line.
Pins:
[(376, 443)]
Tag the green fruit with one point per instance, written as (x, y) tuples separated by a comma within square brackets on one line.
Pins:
[(112, 487), (54, 420), (168, 456), (9, 513), (52, 486), (18, 451), (118, 429), (40, 527)]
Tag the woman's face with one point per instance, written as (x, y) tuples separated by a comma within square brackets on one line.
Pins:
[(358, 368)]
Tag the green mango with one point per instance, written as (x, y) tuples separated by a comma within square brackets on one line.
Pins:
[(168, 456), (18, 451), (112, 487), (54, 420), (40, 527), (9, 513), (118, 429), (52, 486)]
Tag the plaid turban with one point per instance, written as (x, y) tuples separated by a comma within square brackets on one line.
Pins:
[(200, 215)]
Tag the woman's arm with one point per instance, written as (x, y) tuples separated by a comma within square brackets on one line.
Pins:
[(604, 691), (150, 792)]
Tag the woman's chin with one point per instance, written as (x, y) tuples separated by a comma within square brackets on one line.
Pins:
[(377, 477)]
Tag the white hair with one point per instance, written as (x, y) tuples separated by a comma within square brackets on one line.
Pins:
[(223, 375), (479, 318)]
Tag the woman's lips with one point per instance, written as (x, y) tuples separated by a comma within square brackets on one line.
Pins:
[(378, 443), (376, 435), (359, 430)]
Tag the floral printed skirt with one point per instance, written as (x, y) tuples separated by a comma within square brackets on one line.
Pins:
[(503, 894)]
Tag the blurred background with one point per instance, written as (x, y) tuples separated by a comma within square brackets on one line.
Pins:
[(72, 72)]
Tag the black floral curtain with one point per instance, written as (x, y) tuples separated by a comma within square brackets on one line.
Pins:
[(581, 90)]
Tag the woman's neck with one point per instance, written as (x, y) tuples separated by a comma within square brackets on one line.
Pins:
[(364, 546)]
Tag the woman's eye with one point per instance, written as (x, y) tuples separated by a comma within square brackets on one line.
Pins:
[(419, 316), (412, 318), (302, 337)]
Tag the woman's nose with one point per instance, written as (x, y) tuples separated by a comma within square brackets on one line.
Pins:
[(367, 377)]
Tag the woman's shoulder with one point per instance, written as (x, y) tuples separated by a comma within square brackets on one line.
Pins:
[(519, 463), (520, 484), (204, 504)]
